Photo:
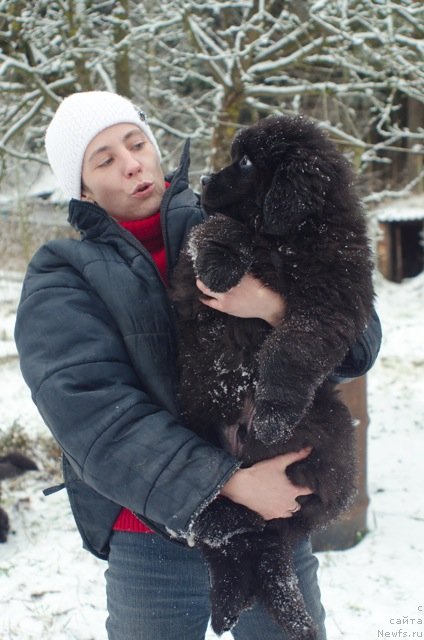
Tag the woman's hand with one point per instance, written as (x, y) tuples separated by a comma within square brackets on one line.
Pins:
[(265, 488), (249, 299)]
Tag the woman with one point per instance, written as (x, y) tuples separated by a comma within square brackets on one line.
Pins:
[(96, 339)]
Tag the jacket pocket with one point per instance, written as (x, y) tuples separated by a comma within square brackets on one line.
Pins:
[(94, 515)]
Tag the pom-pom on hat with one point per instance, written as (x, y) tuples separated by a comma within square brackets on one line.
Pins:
[(78, 119)]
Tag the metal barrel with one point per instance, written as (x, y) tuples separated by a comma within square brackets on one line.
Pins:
[(352, 526)]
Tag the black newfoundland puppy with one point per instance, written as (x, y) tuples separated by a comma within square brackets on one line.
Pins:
[(285, 211)]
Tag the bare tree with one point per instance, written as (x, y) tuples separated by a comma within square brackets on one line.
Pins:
[(48, 50), (203, 69), (353, 65)]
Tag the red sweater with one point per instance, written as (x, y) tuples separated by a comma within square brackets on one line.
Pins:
[(149, 232)]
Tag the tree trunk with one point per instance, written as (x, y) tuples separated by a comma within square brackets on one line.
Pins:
[(122, 59), (233, 114), (74, 22), (415, 162), (225, 129)]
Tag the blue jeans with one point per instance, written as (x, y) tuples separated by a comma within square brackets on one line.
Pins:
[(158, 590)]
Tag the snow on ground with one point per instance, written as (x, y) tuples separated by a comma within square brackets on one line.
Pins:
[(50, 588)]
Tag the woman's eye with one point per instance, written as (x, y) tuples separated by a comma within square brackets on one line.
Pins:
[(106, 162), (245, 161), (138, 145)]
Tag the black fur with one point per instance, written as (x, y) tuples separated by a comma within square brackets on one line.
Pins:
[(12, 465), (284, 210)]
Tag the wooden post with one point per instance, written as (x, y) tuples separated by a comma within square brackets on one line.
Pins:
[(352, 527), (384, 250)]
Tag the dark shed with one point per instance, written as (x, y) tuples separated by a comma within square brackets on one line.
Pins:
[(401, 239)]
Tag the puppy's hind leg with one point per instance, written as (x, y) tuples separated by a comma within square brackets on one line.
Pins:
[(232, 578), (279, 591)]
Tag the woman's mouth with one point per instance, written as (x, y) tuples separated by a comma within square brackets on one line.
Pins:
[(143, 190)]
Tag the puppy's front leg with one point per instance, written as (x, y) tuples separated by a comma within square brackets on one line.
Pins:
[(221, 251), (293, 362), (233, 581)]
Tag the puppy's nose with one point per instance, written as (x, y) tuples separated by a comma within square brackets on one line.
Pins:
[(204, 180)]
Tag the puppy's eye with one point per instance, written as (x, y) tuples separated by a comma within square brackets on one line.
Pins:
[(245, 162)]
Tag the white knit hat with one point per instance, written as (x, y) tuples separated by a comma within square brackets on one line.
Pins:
[(78, 119)]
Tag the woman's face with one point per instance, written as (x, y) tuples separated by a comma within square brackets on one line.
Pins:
[(121, 172)]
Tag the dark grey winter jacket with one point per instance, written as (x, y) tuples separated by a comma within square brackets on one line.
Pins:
[(96, 340)]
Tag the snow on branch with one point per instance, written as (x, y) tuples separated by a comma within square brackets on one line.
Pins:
[(205, 68), (407, 190), (313, 88), (204, 41), (20, 124), (291, 38), (266, 67)]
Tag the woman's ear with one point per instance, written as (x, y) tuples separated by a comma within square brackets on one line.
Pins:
[(86, 194), (87, 198)]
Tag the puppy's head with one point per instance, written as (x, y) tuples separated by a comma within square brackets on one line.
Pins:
[(232, 191), (280, 174)]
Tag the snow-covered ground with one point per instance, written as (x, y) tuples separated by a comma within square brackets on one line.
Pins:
[(50, 588)]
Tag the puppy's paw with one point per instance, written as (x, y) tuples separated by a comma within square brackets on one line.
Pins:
[(304, 473), (309, 633), (222, 621), (223, 519), (219, 267), (221, 252)]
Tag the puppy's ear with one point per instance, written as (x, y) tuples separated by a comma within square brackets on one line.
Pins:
[(275, 211), (297, 192)]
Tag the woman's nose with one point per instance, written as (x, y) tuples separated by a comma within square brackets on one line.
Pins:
[(132, 166)]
